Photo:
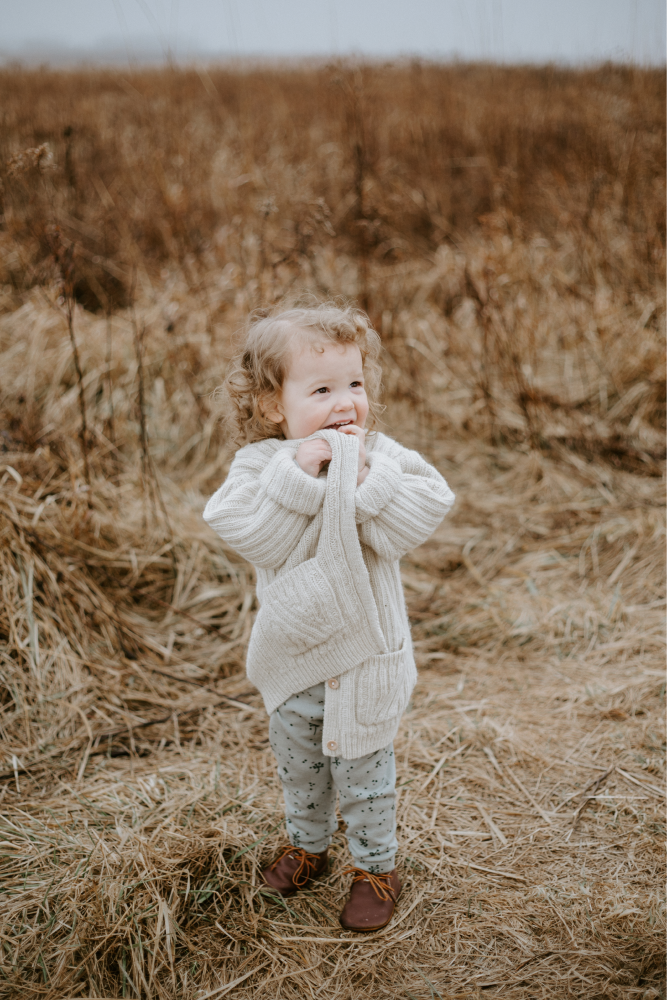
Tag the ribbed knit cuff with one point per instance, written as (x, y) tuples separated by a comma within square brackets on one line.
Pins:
[(378, 488), (291, 487)]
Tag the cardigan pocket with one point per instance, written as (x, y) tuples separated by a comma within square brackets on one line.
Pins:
[(299, 610), (384, 686)]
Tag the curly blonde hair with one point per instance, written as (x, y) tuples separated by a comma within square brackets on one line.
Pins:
[(256, 373)]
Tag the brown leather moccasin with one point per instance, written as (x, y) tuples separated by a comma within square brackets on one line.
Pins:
[(293, 869), (372, 901)]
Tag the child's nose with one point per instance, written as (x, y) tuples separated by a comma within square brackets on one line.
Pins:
[(344, 402)]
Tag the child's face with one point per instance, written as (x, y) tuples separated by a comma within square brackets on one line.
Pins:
[(323, 387)]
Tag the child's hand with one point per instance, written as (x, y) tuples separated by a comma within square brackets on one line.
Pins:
[(312, 455), (360, 435)]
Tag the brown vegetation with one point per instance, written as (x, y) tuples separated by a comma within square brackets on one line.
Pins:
[(505, 230)]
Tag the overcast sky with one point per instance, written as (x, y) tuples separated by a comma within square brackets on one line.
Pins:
[(505, 30)]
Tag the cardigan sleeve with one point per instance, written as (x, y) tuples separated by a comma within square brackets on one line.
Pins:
[(262, 512), (400, 503)]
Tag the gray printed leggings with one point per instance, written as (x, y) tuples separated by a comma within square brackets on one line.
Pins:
[(366, 786)]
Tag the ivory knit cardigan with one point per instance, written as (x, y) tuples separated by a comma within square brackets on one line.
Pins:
[(326, 555)]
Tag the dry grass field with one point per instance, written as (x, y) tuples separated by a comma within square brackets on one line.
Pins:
[(504, 228)]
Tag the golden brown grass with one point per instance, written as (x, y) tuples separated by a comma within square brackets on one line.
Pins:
[(505, 230)]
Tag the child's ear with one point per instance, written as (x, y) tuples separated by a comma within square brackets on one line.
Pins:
[(271, 410)]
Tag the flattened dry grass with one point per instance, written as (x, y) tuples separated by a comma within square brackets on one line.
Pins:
[(138, 793)]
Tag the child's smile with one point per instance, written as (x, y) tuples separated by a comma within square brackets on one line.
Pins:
[(323, 388), (339, 423)]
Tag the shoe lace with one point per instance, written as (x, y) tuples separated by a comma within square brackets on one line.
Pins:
[(379, 883), (306, 861)]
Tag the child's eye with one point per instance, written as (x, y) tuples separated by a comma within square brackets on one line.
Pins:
[(355, 385), (322, 389)]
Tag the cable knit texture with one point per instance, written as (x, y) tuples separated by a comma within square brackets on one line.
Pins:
[(326, 554)]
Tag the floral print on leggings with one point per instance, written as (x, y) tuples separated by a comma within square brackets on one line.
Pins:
[(366, 787)]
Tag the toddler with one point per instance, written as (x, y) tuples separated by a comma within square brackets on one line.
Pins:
[(324, 510)]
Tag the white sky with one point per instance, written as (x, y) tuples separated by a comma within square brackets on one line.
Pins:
[(505, 30)]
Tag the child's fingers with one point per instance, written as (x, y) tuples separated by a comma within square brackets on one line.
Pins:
[(317, 447), (353, 429), (312, 455)]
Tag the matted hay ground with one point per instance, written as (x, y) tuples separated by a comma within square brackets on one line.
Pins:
[(530, 811)]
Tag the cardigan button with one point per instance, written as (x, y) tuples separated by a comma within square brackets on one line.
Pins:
[(334, 683), (332, 745)]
